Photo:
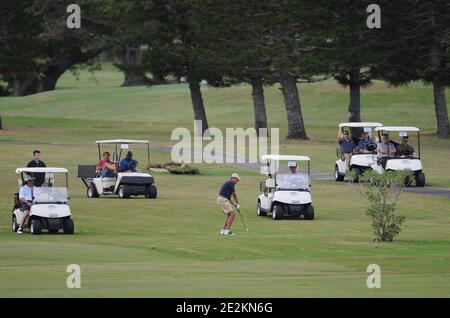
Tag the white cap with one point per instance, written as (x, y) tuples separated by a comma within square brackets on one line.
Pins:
[(27, 177), (292, 164), (235, 175)]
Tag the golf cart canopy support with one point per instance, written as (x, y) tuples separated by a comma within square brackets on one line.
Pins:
[(117, 142), (360, 125), (284, 158), (397, 128), (123, 141), (401, 129), (270, 159), (41, 170)]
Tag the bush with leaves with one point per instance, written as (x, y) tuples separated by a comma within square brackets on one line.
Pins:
[(382, 192)]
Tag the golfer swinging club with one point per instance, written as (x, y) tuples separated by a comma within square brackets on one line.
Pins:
[(225, 204)]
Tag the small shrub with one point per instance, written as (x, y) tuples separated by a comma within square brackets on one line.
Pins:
[(382, 192)]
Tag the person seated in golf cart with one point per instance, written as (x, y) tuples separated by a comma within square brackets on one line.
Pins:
[(293, 179), (25, 200), (346, 146), (405, 150), (386, 150), (128, 164), (366, 144), (106, 168)]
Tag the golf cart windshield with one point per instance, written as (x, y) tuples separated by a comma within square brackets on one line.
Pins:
[(54, 189), (289, 181), (50, 194)]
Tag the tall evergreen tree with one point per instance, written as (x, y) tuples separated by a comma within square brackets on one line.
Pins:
[(416, 46), (299, 39), (352, 56), (177, 50), (232, 31)]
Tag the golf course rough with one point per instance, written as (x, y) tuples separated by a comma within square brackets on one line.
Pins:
[(170, 247)]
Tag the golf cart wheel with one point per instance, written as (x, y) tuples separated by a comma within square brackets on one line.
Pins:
[(92, 192), (258, 210), (337, 175), (35, 227), (123, 192), (15, 226), (420, 180), (152, 192), (68, 226), (277, 213), (309, 213)]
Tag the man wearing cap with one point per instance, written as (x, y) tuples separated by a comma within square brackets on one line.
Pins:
[(405, 149), (293, 180), (366, 144), (346, 146), (25, 199), (39, 178), (224, 202)]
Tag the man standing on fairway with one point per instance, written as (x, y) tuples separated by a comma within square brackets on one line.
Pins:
[(39, 178), (224, 202)]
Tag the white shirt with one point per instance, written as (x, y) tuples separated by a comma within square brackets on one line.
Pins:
[(292, 181), (25, 193)]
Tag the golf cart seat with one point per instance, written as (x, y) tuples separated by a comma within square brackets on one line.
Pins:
[(396, 144)]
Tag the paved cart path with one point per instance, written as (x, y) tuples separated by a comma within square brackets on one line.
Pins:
[(441, 192)]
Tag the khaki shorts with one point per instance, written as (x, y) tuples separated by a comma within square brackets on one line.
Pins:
[(224, 205)]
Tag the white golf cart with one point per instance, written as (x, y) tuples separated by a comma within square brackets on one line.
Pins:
[(123, 183), (285, 194), (406, 158), (360, 160), (50, 206)]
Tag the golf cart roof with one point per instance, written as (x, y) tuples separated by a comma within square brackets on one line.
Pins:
[(42, 170), (282, 158), (397, 128), (122, 141), (359, 125)]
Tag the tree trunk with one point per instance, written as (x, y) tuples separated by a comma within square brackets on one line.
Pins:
[(440, 105), (1, 123), (438, 88), (51, 74), (48, 83), (259, 104), (197, 103), (296, 127), (354, 106), (130, 58), (25, 87)]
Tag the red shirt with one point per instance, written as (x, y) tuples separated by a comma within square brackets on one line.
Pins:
[(101, 164)]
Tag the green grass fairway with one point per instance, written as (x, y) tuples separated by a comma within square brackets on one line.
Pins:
[(170, 247)]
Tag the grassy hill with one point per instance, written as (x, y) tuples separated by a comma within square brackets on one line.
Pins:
[(170, 246)]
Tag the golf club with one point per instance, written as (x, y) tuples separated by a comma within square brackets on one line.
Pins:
[(245, 226)]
